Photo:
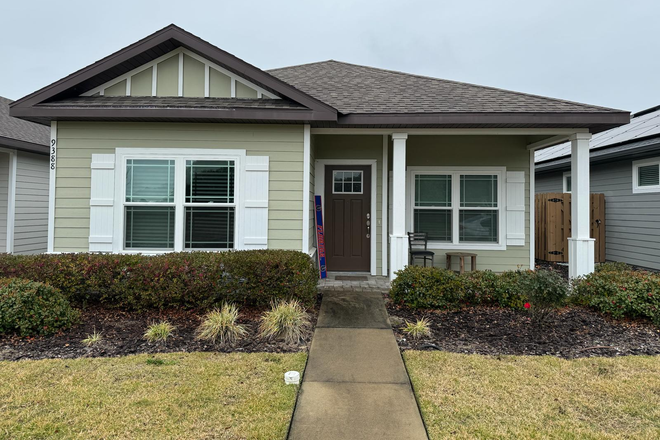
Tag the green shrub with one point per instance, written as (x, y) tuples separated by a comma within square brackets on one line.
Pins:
[(613, 266), (545, 291), (30, 308), (159, 331), (220, 325), (634, 294), (184, 279), (427, 288), (489, 288), (286, 320)]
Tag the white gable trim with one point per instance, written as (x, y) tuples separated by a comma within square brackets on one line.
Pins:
[(180, 52)]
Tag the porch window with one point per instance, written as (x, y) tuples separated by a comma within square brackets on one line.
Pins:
[(201, 205), (458, 207)]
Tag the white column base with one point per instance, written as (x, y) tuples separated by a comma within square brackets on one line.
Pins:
[(580, 256), (398, 253)]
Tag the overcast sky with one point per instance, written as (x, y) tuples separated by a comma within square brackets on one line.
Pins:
[(602, 52)]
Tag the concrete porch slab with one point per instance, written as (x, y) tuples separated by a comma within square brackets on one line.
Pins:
[(353, 310), (330, 410), (355, 355)]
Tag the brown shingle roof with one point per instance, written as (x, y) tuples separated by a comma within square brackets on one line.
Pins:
[(18, 129), (354, 89), (172, 102)]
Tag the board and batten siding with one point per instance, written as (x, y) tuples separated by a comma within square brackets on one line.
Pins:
[(632, 229), (77, 141), (31, 212), (357, 147), (478, 151)]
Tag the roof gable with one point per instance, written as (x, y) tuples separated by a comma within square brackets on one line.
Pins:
[(19, 134), (156, 47)]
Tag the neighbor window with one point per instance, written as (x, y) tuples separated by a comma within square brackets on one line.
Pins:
[(157, 199), (457, 207), (567, 182), (646, 175)]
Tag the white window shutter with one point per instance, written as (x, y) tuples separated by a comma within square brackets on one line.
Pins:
[(255, 223), (101, 203), (515, 208)]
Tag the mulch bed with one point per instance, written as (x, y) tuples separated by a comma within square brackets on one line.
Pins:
[(569, 333), (123, 335)]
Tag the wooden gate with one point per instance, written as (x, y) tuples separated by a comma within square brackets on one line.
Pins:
[(553, 226)]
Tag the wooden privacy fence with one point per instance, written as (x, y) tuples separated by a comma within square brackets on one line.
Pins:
[(553, 226)]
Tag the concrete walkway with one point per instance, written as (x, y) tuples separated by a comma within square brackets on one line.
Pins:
[(355, 385)]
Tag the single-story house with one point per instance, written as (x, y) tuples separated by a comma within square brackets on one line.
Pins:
[(23, 184), (625, 166), (173, 144)]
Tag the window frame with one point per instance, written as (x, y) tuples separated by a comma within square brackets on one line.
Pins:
[(180, 157), (564, 180), (636, 189), (455, 173), (334, 172)]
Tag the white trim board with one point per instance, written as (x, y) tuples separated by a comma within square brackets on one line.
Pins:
[(307, 155), (455, 245), (532, 210), (452, 131), (319, 189), (51, 187), (385, 251), (180, 52)]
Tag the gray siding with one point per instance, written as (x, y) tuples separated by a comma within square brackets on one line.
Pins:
[(632, 226), (549, 182), (4, 196), (31, 218)]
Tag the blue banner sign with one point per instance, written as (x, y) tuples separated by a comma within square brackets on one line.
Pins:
[(320, 238)]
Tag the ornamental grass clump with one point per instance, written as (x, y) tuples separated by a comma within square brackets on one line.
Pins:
[(93, 339), (286, 320), (417, 330), (159, 332), (220, 326)]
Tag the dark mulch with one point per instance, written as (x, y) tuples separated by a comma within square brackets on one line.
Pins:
[(569, 333), (123, 335)]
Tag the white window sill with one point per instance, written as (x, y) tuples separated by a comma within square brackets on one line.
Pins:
[(646, 190)]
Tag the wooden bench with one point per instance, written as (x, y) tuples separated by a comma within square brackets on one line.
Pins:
[(462, 256)]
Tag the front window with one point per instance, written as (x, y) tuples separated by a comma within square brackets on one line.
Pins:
[(200, 201), (457, 207)]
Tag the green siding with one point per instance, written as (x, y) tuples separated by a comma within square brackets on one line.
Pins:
[(141, 83), (219, 84), (193, 77), (77, 141), (497, 151), (243, 91), (358, 147), (167, 82), (118, 89)]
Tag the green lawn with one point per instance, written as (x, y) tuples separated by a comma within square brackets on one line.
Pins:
[(472, 396), (182, 396)]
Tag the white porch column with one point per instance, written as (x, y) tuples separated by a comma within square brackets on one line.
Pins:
[(580, 244), (399, 237)]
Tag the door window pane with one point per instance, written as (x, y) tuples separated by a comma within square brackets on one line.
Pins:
[(209, 228), (432, 190), (209, 181), (478, 225), (150, 227), (149, 181), (648, 175), (347, 182), (479, 191), (436, 223)]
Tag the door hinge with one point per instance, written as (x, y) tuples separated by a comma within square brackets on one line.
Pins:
[(556, 253), (555, 200)]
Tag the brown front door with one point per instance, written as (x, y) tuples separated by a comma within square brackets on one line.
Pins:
[(347, 218)]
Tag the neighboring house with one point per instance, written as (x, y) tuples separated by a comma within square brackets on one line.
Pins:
[(625, 166), (23, 184), (173, 144)]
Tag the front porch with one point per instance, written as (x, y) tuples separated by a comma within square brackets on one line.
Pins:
[(469, 190)]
